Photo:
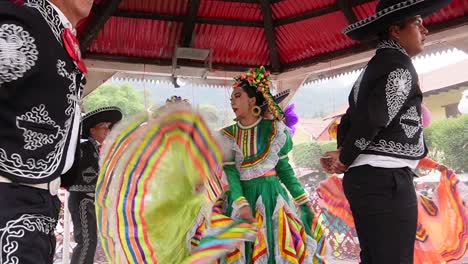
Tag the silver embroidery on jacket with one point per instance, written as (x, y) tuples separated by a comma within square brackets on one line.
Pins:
[(397, 90), (18, 52), (410, 121)]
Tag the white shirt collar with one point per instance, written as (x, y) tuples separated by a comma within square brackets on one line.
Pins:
[(250, 126), (65, 22)]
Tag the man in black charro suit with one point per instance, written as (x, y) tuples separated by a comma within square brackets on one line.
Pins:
[(81, 183)]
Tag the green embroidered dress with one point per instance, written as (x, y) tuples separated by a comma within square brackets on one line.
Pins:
[(257, 166)]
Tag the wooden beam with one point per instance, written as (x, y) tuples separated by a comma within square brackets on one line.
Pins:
[(229, 22), (319, 12), (246, 23), (435, 28), (201, 20), (328, 56), (168, 62), (359, 2), (97, 20), (150, 16), (150, 69), (270, 35), (189, 23), (347, 10), (456, 22), (239, 1), (248, 1)]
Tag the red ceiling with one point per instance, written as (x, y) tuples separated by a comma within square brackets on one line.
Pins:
[(230, 10), (295, 41), (288, 8), (308, 38), (233, 45), (457, 8), (167, 7), (137, 38)]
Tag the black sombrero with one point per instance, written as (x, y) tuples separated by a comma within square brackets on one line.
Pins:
[(279, 97), (389, 12), (110, 114)]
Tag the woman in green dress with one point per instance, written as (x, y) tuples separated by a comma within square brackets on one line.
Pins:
[(257, 167)]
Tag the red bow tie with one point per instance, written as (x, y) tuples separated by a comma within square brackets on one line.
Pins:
[(99, 148), (73, 48)]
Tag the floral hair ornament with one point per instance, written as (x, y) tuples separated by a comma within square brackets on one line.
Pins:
[(176, 99), (259, 79)]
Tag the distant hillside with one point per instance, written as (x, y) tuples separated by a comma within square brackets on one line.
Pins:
[(311, 100), (320, 99)]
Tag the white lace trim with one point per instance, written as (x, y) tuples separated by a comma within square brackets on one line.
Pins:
[(17, 228), (266, 165), (236, 207), (18, 52), (399, 83), (249, 126)]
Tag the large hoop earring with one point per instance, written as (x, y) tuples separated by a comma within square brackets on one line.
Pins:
[(256, 110)]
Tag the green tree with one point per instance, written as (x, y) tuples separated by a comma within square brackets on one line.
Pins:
[(328, 146), (125, 96), (307, 155), (447, 141)]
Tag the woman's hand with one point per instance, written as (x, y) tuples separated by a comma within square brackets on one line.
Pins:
[(246, 213)]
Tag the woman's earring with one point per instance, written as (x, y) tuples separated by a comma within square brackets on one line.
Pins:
[(256, 110)]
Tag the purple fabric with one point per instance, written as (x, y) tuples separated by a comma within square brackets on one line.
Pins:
[(426, 116), (290, 118)]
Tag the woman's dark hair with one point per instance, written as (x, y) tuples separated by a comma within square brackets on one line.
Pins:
[(252, 92)]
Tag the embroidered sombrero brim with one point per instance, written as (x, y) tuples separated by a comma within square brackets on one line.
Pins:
[(279, 97), (109, 114), (368, 28)]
